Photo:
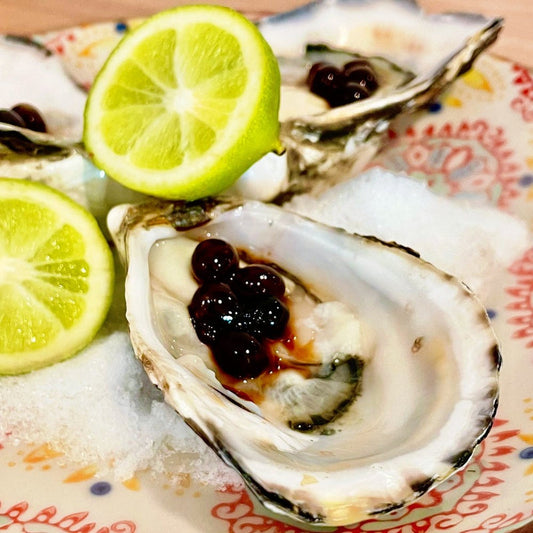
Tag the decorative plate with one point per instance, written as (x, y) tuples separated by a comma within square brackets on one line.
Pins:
[(476, 141)]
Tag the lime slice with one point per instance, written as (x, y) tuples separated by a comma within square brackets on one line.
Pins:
[(185, 103), (56, 276)]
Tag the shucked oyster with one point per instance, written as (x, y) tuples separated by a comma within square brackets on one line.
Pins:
[(415, 56), (403, 375)]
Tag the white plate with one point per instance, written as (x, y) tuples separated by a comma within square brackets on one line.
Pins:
[(477, 141)]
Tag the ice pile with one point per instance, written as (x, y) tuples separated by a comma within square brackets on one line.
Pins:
[(475, 243), (99, 408)]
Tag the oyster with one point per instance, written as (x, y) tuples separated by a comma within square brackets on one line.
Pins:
[(26, 154), (36, 76), (403, 378), (56, 158), (415, 56)]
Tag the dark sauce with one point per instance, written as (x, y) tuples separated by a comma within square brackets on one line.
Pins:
[(243, 314)]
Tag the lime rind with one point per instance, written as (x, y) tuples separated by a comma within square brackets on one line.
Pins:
[(58, 297), (234, 131)]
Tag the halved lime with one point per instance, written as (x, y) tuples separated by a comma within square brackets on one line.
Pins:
[(56, 276), (185, 103)]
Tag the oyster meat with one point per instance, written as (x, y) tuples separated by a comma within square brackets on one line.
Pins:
[(403, 373)]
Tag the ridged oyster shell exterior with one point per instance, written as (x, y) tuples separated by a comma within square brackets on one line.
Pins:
[(429, 388)]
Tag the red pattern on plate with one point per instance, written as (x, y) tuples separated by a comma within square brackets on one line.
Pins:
[(57, 43), (522, 300), (464, 158), (523, 102), (469, 492), (18, 518)]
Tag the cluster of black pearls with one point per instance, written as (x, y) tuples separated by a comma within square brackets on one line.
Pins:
[(355, 81), (235, 310)]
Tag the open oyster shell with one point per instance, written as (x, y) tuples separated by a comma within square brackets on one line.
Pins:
[(426, 392), (415, 55)]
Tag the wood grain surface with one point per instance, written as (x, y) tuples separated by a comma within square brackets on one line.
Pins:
[(34, 16)]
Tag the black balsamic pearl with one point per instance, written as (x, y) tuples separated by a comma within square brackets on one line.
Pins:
[(269, 318), (8, 116), (31, 117), (360, 71), (326, 80), (353, 92), (240, 355), (256, 281), (213, 309), (214, 260)]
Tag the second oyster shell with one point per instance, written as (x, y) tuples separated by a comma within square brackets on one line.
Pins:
[(425, 52)]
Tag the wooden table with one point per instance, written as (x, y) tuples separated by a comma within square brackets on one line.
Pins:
[(29, 16)]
